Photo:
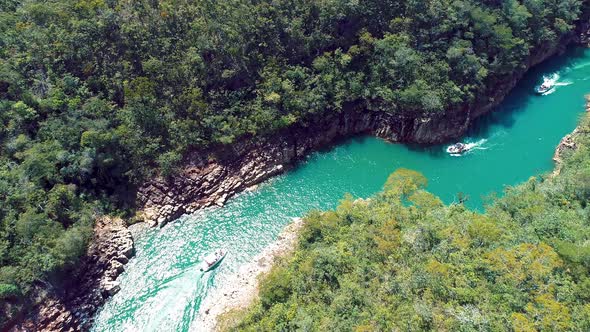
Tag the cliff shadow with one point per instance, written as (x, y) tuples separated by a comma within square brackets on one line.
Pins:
[(518, 100), (359, 138), (505, 115)]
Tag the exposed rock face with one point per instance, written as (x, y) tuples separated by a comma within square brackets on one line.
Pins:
[(568, 143), (583, 30), (93, 282), (203, 183)]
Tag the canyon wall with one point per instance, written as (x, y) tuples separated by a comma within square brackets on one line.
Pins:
[(72, 306), (210, 177)]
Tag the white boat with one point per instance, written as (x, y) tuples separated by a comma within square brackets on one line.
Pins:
[(544, 87), (547, 85), (211, 261), (458, 148)]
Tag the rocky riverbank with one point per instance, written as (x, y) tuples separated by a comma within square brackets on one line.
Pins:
[(211, 177), (568, 143), (72, 308), (241, 289)]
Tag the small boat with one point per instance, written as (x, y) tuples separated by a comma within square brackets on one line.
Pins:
[(544, 87), (211, 261), (458, 148)]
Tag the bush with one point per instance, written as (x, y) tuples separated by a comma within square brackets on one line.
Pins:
[(9, 291)]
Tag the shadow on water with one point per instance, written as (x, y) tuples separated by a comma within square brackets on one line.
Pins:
[(504, 116), (516, 101), (358, 138)]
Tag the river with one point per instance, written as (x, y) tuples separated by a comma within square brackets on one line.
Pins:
[(162, 288)]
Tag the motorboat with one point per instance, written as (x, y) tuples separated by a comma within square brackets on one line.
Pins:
[(211, 261), (458, 148), (546, 86)]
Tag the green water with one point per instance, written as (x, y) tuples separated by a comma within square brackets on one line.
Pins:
[(162, 287)]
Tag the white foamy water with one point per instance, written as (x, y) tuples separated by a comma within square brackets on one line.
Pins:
[(553, 81), (471, 146)]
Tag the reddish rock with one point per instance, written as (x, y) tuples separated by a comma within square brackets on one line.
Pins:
[(92, 284)]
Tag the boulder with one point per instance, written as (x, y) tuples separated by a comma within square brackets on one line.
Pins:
[(111, 288)]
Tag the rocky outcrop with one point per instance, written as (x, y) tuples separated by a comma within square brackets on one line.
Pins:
[(72, 307), (585, 37), (568, 143), (213, 176)]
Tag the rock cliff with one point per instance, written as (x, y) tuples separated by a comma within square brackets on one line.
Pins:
[(72, 307)]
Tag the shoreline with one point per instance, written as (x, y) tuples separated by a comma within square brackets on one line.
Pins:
[(568, 142), (92, 283), (240, 290)]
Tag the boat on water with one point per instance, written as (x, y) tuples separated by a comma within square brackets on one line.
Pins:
[(211, 261), (544, 87), (458, 148)]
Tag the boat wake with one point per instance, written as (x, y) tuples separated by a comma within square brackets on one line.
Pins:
[(582, 65), (180, 295), (552, 80), (470, 147)]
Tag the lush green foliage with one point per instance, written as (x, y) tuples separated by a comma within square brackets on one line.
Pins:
[(145, 80), (97, 94), (404, 261)]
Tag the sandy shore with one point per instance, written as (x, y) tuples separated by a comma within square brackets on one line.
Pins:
[(241, 289)]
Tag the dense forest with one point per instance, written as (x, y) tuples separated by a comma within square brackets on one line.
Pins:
[(98, 95), (403, 261)]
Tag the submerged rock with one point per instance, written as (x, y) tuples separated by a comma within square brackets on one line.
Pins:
[(111, 287)]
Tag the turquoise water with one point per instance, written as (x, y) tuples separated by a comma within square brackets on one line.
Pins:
[(162, 287)]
